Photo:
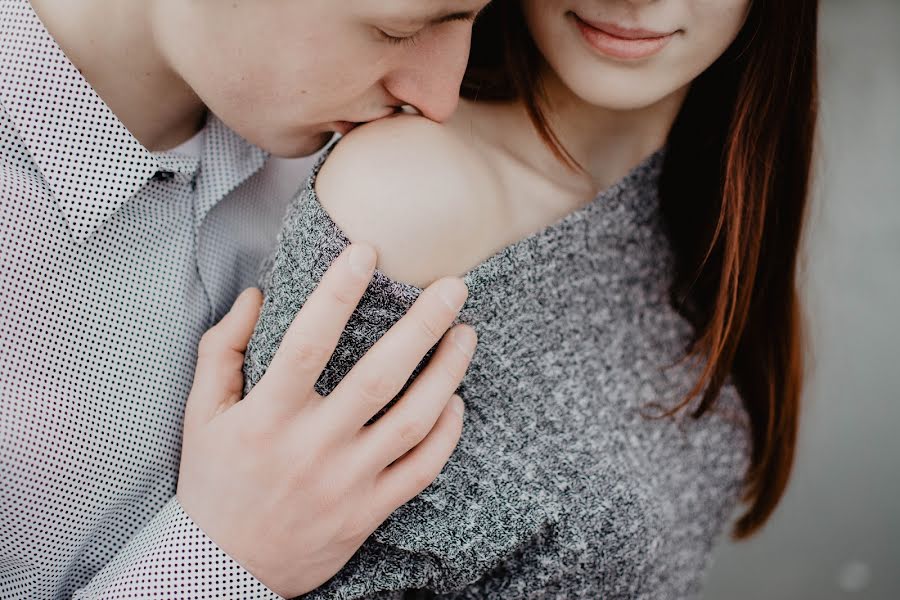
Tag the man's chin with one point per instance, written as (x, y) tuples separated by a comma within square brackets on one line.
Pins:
[(297, 147), (308, 145)]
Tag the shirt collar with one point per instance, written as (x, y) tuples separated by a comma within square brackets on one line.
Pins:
[(185, 158), (88, 157), (228, 160), (91, 161)]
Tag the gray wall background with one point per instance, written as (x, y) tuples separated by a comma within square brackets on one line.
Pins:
[(837, 533)]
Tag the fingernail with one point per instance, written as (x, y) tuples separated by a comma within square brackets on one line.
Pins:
[(458, 405), (362, 259), (453, 295), (464, 339)]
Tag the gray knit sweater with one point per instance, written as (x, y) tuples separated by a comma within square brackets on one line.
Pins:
[(559, 487)]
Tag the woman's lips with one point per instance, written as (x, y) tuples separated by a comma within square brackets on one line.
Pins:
[(619, 42)]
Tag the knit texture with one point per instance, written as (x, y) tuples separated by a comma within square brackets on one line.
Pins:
[(559, 487)]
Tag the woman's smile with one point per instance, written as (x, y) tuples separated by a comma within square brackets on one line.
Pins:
[(620, 42)]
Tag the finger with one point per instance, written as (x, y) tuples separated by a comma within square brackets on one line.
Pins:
[(313, 334), (218, 376), (381, 373), (409, 475), (414, 415)]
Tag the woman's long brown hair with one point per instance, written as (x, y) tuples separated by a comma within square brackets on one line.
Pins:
[(733, 194)]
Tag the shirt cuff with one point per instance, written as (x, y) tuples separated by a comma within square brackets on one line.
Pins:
[(171, 557)]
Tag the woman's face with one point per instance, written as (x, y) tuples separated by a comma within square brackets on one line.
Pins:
[(629, 54)]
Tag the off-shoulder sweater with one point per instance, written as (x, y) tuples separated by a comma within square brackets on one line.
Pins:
[(563, 483)]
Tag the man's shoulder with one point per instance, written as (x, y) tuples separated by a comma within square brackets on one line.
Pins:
[(415, 190)]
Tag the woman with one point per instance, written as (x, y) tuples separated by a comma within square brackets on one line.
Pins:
[(623, 192)]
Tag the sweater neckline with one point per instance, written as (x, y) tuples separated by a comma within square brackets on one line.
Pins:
[(642, 180)]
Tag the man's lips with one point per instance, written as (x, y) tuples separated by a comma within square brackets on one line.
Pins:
[(622, 42), (344, 127)]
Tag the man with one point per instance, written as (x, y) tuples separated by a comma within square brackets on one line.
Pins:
[(138, 196)]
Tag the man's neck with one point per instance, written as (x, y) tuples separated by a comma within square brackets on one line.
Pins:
[(112, 44)]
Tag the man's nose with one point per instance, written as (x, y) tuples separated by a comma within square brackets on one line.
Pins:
[(429, 79)]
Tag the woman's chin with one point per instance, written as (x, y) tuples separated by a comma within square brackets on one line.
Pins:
[(621, 92)]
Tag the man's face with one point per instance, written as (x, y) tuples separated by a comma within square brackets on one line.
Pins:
[(285, 74)]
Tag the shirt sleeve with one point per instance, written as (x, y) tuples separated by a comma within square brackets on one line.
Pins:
[(171, 557)]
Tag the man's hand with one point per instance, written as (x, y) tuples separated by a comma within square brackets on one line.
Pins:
[(290, 484)]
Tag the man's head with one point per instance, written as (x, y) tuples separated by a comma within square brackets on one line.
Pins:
[(286, 73)]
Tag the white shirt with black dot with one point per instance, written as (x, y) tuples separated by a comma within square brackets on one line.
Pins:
[(113, 262)]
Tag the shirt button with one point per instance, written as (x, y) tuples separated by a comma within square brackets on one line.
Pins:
[(163, 176)]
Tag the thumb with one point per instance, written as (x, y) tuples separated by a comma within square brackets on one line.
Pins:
[(219, 377)]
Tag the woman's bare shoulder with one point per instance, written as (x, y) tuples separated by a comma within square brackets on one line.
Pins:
[(416, 191)]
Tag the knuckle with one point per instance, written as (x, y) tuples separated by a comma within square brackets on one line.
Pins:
[(309, 352), (423, 476), (376, 390), (431, 328), (454, 366), (413, 431), (209, 343), (343, 295)]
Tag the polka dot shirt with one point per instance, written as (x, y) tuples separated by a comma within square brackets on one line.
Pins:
[(113, 262)]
